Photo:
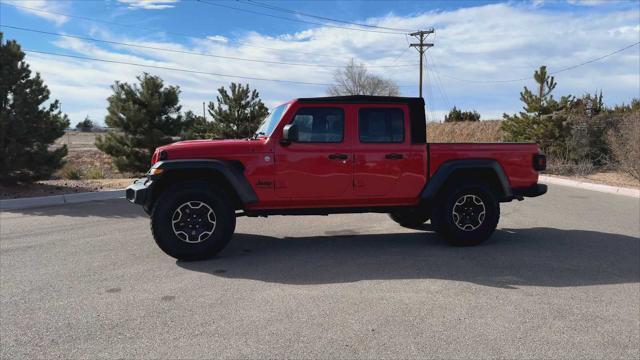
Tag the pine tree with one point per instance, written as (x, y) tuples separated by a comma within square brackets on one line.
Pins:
[(456, 115), (200, 128), (85, 125), (544, 119), (27, 128), (237, 114), (144, 117)]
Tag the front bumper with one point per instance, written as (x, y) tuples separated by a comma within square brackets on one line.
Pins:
[(140, 191), (533, 191)]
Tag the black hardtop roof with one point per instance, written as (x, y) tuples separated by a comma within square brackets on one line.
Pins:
[(416, 109), (357, 99)]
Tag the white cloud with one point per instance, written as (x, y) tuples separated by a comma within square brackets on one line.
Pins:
[(149, 4), (589, 2), (218, 38), (492, 42), (32, 7), (538, 3)]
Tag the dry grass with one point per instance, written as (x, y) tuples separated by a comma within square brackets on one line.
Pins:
[(465, 131), (624, 143), (84, 159), (559, 166), (89, 163)]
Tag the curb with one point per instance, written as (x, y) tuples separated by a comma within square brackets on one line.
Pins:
[(591, 186), (27, 203)]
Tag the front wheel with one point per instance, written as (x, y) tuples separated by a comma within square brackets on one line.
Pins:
[(192, 221), (466, 215)]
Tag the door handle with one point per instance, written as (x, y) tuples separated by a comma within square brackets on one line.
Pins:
[(393, 156), (338, 156)]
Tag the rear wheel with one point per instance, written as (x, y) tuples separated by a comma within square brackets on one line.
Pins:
[(192, 221), (466, 215), (411, 218)]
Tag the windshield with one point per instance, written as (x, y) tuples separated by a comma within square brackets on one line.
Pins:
[(270, 122)]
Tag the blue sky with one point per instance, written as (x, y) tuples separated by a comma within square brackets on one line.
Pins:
[(478, 44)]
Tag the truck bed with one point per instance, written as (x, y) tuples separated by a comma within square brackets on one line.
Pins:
[(515, 158)]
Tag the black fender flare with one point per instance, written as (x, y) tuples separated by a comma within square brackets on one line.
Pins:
[(448, 168), (232, 171)]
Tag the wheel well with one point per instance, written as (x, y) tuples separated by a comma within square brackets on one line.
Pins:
[(484, 176), (210, 176)]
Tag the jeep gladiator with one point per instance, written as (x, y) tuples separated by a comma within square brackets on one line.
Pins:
[(328, 155)]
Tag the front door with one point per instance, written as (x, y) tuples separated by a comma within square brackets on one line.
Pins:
[(319, 165)]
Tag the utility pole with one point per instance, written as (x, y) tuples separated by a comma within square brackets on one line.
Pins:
[(204, 114), (422, 46)]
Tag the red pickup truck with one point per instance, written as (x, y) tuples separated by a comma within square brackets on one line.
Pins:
[(328, 155)]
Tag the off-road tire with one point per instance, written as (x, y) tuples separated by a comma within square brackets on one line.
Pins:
[(443, 219), (192, 193), (410, 218)]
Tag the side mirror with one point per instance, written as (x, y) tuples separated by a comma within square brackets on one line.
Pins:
[(289, 134)]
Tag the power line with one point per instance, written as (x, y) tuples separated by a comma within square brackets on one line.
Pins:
[(594, 60), (438, 82), (174, 69), (189, 52), (550, 73), (190, 36), (402, 53), (443, 92), (297, 20), (430, 96), (179, 69), (296, 12)]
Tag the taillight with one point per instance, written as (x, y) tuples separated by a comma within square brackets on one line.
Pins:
[(539, 162)]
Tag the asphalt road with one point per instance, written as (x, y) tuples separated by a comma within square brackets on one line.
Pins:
[(559, 279)]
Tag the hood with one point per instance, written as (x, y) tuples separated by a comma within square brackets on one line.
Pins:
[(198, 149)]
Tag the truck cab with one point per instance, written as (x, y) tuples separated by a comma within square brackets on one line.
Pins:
[(332, 155)]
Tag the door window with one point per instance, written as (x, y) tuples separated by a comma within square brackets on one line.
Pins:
[(381, 125), (320, 125)]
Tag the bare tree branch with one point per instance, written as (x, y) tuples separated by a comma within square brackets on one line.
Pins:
[(354, 80)]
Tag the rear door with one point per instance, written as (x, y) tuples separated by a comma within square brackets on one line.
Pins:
[(319, 165), (381, 149)]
